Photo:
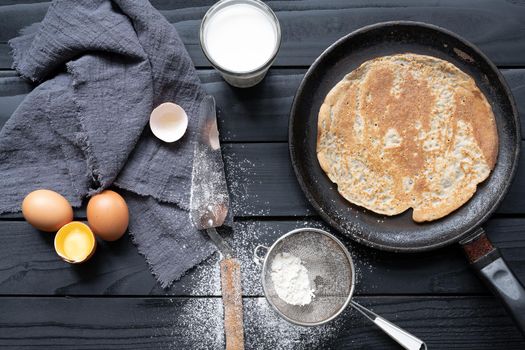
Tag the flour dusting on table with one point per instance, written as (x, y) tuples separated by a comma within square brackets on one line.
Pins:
[(290, 279), (267, 330)]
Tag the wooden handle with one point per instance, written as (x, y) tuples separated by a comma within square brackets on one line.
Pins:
[(232, 301)]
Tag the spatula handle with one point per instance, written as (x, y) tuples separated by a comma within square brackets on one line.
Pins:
[(232, 301)]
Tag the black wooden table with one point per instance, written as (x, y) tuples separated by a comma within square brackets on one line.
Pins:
[(113, 302)]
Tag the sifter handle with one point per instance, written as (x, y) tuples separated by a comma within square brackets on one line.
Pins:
[(259, 258), (402, 337), (232, 301)]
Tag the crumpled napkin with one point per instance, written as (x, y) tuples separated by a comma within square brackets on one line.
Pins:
[(102, 66)]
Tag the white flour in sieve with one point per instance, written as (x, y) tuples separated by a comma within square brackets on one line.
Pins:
[(290, 279)]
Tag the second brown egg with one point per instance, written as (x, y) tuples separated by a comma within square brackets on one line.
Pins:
[(108, 215)]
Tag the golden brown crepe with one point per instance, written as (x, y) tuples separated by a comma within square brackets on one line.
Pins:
[(407, 131)]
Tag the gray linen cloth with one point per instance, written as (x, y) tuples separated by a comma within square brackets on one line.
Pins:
[(102, 66)]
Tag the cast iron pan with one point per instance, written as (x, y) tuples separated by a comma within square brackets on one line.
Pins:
[(400, 233)]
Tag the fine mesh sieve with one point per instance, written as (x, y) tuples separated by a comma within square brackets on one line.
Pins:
[(332, 277), (330, 270)]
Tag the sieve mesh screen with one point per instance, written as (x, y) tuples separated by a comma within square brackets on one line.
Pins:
[(330, 271)]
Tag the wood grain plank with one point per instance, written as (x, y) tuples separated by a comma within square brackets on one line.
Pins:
[(182, 323), (6, 61), (259, 114), (16, 16), (308, 27), (17, 2), (261, 178), (29, 265), (262, 183)]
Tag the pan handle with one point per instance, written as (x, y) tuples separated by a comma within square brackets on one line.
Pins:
[(496, 274)]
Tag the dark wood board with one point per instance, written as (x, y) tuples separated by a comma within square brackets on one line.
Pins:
[(259, 114), (113, 301), (309, 27), (196, 323), (262, 183), (29, 265), (260, 173)]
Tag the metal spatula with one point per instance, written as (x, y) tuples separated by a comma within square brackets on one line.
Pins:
[(208, 209)]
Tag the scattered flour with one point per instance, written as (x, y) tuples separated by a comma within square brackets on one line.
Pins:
[(197, 323), (241, 175), (204, 279), (189, 323), (270, 331), (290, 279)]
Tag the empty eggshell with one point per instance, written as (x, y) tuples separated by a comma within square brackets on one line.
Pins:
[(168, 122), (47, 210), (108, 216)]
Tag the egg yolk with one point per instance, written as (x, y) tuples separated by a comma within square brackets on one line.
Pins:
[(77, 245)]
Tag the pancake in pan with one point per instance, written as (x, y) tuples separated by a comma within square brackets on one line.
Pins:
[(407, 131)]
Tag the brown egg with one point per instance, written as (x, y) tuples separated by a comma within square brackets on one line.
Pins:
[(107, 214), (47, 210)]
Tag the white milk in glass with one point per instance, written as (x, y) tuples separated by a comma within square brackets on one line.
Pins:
[(241, 39)]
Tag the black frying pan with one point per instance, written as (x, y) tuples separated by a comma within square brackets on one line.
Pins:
[(400, 233)]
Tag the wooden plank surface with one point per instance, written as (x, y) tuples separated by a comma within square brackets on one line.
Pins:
[(105, 304), (262, 183), (29, 265), (261, 178), (259, 114), (196, 323), (308, 27)]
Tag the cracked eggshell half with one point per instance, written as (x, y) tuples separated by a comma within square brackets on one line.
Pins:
[(168, 122)]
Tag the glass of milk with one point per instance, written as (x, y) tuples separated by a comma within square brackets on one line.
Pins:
[(241, 39)]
